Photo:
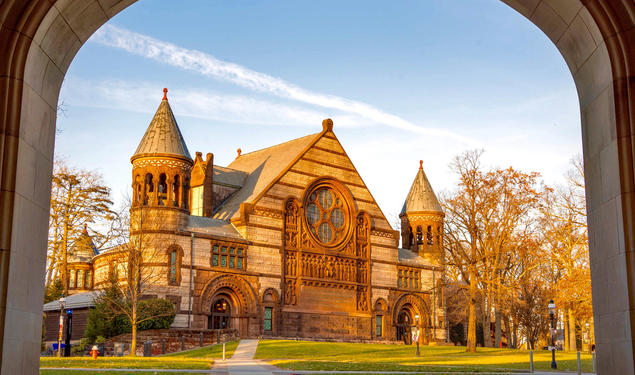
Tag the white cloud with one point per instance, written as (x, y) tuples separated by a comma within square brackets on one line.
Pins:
[(210, 66), (142, 97)]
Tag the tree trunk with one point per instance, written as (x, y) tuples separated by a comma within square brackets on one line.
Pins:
[(572, 341), (487, 329), (515, 335), (497, 329), (133, 340), (471, 325), (566, 330), (508, 332)]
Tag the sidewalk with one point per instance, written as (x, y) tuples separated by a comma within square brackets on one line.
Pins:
[(243, 362)]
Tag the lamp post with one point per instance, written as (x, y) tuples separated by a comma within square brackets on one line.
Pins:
[(552, 312), (59, 339), (417, 328)]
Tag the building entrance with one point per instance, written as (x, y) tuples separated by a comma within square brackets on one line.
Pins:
[(403, 327), (221, 315)]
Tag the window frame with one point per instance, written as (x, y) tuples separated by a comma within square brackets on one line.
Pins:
[(228, 255)]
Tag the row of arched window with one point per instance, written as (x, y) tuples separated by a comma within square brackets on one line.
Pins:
[(428, 238), (80, 279), (161, 191)]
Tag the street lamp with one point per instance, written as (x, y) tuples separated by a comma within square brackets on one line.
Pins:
[(417, 328), (59, 339), (552, 313)]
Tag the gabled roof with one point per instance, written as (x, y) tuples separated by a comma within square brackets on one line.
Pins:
[(74, 301), (163, 136), (262, 167), (421, 197)]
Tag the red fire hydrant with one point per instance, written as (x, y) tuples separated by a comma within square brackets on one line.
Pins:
[(94, 352)]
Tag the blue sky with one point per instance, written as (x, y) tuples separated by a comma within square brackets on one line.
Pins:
[(402, 80)]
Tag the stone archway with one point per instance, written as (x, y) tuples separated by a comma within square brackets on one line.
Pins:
[(240, 298), (40, 39), (405, 312)]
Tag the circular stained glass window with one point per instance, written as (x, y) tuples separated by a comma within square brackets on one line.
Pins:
[(326, 215)]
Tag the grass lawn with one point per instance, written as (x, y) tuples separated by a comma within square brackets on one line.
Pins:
[(212, 351), (195, 359), (128, 362), (97, 372), (315, 356)]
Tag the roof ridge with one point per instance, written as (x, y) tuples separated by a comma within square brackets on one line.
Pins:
[(276, 145)]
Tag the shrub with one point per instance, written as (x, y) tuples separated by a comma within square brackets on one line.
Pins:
[(161, 312)]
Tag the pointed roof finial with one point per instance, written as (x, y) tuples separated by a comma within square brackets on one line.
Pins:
[(239, 151), (327, 125), (165, 93), (420, 164), (85, 228)]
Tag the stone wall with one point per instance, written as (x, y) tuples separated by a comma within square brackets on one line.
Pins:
[(172, 339)]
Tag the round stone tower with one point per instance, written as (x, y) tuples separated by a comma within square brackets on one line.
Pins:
[(161, 168), (422, 220)]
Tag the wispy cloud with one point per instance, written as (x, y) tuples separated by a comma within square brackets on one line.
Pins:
[(210, 66), (209, 105)]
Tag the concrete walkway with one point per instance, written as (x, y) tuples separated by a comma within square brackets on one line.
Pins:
[(243, 362)]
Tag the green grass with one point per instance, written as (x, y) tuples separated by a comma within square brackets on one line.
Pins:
[(127, 362), (212, 351), (97, 372), (195, 359), (328, 356)]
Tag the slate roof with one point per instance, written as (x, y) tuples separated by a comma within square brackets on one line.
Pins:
[(229, 177), (74, 301), (421, 196), (409, 258), (163, 135), (262, 168), (215, 227)]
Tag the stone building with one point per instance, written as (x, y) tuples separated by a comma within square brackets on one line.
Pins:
[(286, 241)]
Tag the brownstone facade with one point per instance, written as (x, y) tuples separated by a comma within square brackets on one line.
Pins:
[(284, 242)]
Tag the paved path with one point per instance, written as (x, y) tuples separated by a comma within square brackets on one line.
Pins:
[(243, 362)]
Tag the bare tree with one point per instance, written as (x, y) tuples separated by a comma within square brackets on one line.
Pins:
[(78, 197), (139, 254)]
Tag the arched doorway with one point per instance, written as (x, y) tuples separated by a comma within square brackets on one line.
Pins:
[(220, 317), (40, 39), (404, 326)]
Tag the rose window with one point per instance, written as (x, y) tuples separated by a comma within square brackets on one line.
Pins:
[(325, 215)]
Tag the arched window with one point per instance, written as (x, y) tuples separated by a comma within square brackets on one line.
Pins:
[(71, 279), (419, 236), (148, 188), (186, 193), (80, 279), (429, 236), (175, 255), (162, 189), (175, 191), (89, 279), (136, 189)]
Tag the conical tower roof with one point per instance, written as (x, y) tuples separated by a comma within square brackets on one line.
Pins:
[(163, 136), (421, 197), (84, 249)]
